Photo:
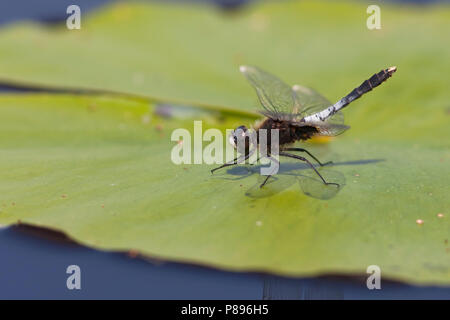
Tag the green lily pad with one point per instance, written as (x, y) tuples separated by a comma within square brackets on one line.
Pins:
[(98, 168)]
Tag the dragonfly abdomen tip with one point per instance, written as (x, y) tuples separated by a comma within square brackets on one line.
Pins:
[(392, 69)]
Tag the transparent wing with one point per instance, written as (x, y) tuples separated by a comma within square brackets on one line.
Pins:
[(312, 102), (330, 129), (310, 98), (324, 128), (275, 96), (281, 102)]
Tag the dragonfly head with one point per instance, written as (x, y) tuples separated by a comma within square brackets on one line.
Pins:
[(239, 139)]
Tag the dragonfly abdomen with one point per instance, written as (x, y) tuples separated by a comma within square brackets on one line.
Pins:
[(366, 86), (372, 82)]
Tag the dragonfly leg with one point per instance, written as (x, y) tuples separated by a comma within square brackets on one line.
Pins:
[(265, 181), (267, 177), (288, 155), (232, 163), (304, 150), (257, 159)]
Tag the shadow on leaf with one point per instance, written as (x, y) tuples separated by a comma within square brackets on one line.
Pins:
[(310, 184)]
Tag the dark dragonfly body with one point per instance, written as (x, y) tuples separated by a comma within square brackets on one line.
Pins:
[(298, 113), (366, 86), (288, 133)]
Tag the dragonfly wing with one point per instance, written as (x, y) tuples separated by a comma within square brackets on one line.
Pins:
[(280, 116), (309, 98), (330, 129), (313, 102), (281, 102), (275, 96)]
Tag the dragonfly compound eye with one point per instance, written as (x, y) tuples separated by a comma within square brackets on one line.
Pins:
[(239, 139)]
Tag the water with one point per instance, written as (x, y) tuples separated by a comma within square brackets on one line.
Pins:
[(33, 266)]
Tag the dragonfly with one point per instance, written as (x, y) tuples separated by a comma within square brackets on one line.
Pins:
[(298, 113)]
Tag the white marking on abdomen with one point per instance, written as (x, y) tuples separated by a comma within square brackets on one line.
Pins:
[(328, 112)]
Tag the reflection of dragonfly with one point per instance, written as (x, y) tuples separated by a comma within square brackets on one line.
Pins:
[(299, 113)]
